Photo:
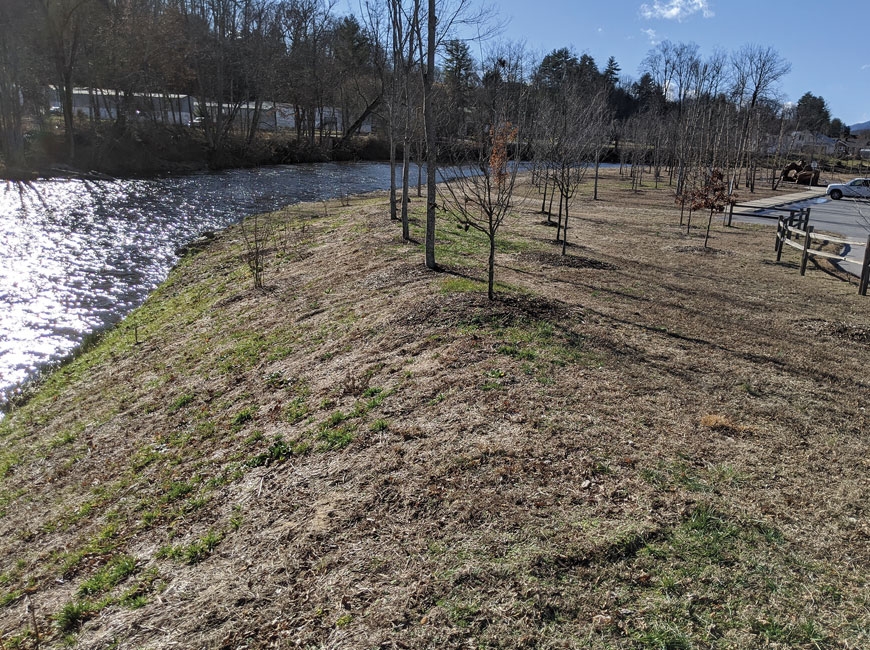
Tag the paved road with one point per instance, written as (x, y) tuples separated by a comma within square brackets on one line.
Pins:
[(848, 218)]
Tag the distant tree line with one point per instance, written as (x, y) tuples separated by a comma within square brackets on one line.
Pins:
[(684, 114)]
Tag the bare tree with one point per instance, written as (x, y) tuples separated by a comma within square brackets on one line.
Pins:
[(257, 233), (756, 70), (406, 71), (14, 53), (306, 28), (431, 136), (479, 195), (447, 16), (63, 25), (575, 125), (260, 47)]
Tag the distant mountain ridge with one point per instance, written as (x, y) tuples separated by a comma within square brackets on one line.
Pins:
[(863, 126)]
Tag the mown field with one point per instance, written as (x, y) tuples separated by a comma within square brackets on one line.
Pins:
[(642, 444)]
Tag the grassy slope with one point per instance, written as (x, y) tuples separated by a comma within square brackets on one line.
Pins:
[(642, 446)]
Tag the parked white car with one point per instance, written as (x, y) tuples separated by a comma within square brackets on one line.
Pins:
[(858, 188)]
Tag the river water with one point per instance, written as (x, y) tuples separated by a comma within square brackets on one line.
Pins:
[(79, 255)]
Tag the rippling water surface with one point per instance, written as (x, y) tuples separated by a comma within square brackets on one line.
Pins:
[(79, 255)]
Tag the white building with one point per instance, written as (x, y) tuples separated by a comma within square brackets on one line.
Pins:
[(184, 110)]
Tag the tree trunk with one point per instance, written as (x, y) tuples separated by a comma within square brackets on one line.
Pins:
[(544, 202), (491, 278), (565, 229), (431, 144), (255, 120), (357, 125), (406, 170), (394, 215), (68, 116), (418, 158), (550, 208), (597, 164), (709, 221), (10, 122)]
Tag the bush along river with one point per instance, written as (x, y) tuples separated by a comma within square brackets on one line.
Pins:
[(79, 255)]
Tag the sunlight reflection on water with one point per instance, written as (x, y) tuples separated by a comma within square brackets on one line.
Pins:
[(79, 255)]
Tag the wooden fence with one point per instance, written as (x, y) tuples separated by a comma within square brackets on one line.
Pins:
[(754, 210), (794, 231)]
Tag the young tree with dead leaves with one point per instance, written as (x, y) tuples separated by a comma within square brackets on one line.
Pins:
[(479, 195), (714, 196)]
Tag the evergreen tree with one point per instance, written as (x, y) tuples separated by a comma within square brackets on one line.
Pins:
[(460, 81), (611, 72), (558, 68), (813, 113)]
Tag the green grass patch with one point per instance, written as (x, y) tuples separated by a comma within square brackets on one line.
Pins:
[(462, 613), (541, 347), (8, 461), (334, 438), (63, 439), (335, 419), (243, 417), (375, 397), (73, 615), (462, 285), (196, 551), (181, 402), (296, 410), (664, 636), (115, 572), (10, 597), (277, 452), (244, 353), (176, 490)]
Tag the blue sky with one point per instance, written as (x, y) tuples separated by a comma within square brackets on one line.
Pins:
[(825, 42)]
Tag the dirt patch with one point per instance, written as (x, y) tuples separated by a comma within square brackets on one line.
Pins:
[(840, 330), (568, 261), (702, 250)]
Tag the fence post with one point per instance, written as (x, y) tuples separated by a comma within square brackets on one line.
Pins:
[(806, 254), (730, 213), (865, 270), (790, 222), (780, 227)]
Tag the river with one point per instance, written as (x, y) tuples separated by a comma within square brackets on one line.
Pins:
[(77, 256)]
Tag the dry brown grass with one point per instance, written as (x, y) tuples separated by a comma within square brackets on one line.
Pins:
[(644, 445)]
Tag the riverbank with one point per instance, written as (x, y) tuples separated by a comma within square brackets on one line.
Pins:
[(643, 444), (79, 255), (147, 151)]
